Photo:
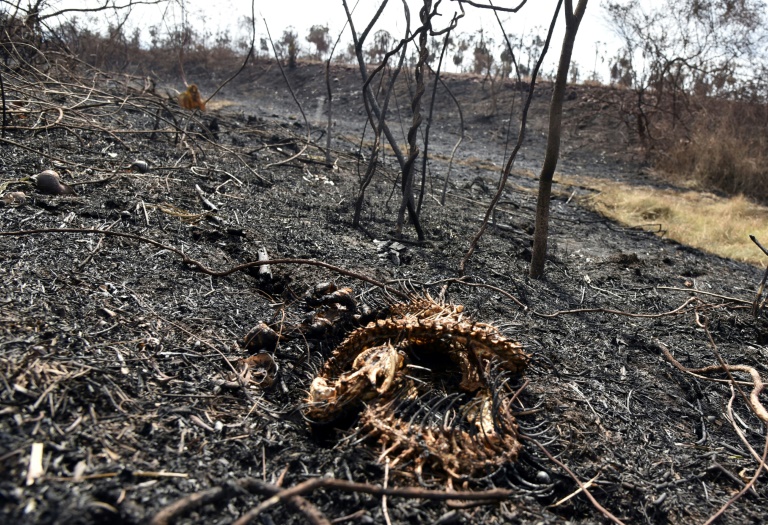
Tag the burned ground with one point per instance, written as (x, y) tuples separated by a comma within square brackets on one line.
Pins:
[(117, 353)]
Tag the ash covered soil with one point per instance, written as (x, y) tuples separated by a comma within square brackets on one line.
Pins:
[(118, 354)]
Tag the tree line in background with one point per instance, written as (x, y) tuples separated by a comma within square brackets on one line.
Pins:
[(688, 83), (697, 73), (677, 50), (671, 58), (476, 53)]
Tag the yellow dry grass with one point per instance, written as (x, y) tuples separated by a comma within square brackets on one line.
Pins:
[(218, 103), (718, 225), (714, 224)]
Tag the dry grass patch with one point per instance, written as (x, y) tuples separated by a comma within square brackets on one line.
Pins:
[(725, 149), (714, 224), (217, 104)]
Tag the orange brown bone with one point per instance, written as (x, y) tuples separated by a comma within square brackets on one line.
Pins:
[(371, 372)]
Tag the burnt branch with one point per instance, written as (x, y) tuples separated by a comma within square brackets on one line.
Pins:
[(493, 7), (204, 269), (311, 485), (605, 512), (296, 100), (408, 203), (225, 492), (378, 129), (520, 137)]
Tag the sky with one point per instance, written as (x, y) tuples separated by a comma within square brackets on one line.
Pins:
[(595, 42)]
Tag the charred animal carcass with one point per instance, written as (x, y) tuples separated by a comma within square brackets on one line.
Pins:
[(431, 387)]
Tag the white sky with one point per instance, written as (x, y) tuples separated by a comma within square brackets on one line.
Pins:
[(594, 34)]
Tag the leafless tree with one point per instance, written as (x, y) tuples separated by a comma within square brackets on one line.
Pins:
[(683, 47), (289, 46), (541, 233), (382, 41), (377, 113)]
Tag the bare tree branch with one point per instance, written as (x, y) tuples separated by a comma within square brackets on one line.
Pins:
[(33, 11), (518, 145), (493, 7), (541, 231)]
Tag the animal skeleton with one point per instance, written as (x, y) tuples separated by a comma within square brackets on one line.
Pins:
[(375, 371)]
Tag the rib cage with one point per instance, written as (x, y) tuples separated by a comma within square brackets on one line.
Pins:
[(375, 371)]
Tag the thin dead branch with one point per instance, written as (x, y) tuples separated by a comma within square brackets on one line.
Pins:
[(520, 138), (677, 311), (247, 56), (296, 100), (374, 155), (223, 493), (462, 132), (747, 486), (605, 512), (204, 269), (757, 384), (363, 488), (493, 7)]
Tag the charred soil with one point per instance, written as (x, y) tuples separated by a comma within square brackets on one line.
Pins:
[(119, 354)]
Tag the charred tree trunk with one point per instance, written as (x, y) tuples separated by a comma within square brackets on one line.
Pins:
[(541, 233), (413, 146)]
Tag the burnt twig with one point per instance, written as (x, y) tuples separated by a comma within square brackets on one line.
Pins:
[(575, 478), (462, 132), (349, 486), (206, 203), (750, 484), (757, 384), (204, 497), (676, 311), (204, 269)]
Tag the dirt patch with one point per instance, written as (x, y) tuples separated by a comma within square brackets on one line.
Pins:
[(120, 356)]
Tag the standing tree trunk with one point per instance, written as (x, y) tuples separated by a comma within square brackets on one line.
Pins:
[(413, 146), (541, 233)]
